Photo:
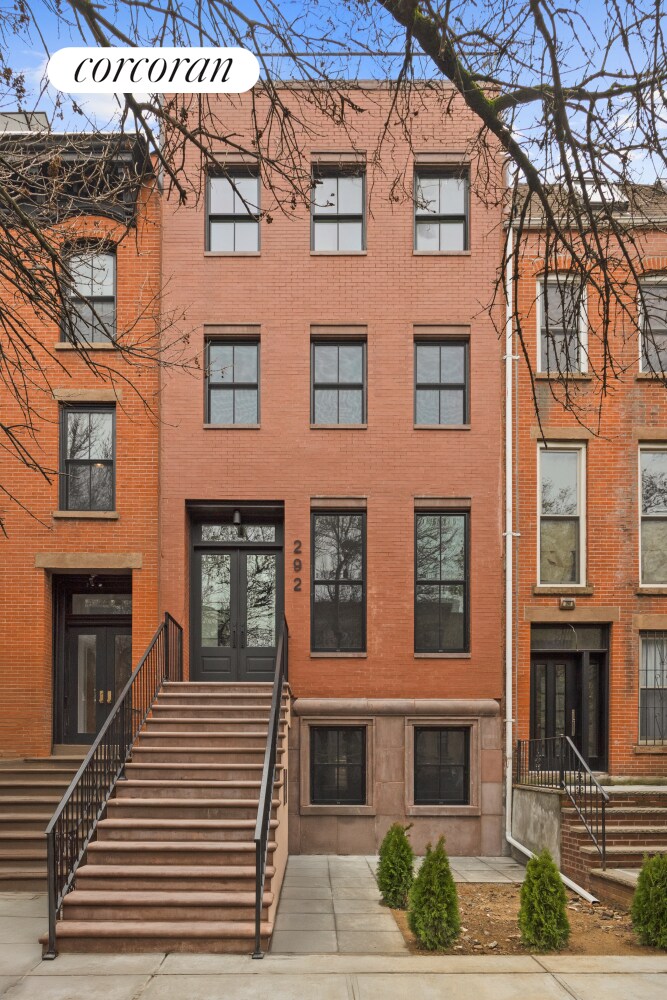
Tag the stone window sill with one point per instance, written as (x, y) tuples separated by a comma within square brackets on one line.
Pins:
[(651, 377), (442, 656), (84, 347), (339, 253), (232, 253), (442, 253), (231, 427), (87, 515), (339, 427), (657, 591), (650, 748), (575, 590), (338, 656), (563, 377), (310, 810), (413, 810), (441, 427)]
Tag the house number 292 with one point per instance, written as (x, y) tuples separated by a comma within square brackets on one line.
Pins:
[(297, 565)]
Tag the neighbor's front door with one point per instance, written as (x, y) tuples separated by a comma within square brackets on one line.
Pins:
[(235, 605), (568, 699), (99, 664)]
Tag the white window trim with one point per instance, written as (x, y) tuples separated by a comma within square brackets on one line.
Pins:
[(658, 279), (580, 449), (583, 327), (658, 446)]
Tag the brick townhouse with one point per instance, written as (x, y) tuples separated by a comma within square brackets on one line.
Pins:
[(78, 586), (338, 459)]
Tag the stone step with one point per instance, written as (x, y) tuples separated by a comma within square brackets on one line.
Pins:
[(179, 808), (245, 740), (23, 840), (182, 878), (236, 755), (46, 804), (213, 701), (24, 860), (164, 905), (629, 834), (176, 772), (203, 725), (40, 783), (217, 686), (23, 822), (163, 713), (172, 830), (624, 855), (136, 936), (174, 852), (156, 789)]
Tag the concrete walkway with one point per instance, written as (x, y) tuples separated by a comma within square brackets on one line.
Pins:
[(331, 904), (23, 976)]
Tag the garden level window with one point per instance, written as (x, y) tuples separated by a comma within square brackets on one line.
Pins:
[(338, 373), (562, 325), (338, 614), (653, 688), (232, 383), (338, 765), (653, 313), (233, 213), (338, 211), (441, 383), (92, 297), (653, 474), (441, 211), (561, 520), (441, 583), (87, 458), (442, 766)]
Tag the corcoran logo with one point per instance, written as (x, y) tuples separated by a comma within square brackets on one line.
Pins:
[(155, 71)]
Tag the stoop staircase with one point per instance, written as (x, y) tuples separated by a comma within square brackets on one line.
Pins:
[(173, 865)]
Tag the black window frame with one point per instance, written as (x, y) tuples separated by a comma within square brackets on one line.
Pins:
[(231, 385), (318, 800), (339, 386), (314, 514), (234, 217), (437, 386), (321, 171), (65, 462), (424, 800), (419, 218), (68, 330), (465, 514)]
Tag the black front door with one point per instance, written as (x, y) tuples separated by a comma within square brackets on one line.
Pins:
[(236, 600), (568, 695), (97, 667)]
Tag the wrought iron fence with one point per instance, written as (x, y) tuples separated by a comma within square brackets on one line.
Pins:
[(556, 763), (263, 825), (73, 824)]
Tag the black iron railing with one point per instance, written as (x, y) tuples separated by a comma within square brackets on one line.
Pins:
[(263, 825), (556, 763), (73, 824)]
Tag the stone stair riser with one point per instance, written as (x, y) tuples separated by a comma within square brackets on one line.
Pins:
[(188, 790), (129, 808), (180, 945), (92, 877), (169, 833), (168, 913), (137, 853)]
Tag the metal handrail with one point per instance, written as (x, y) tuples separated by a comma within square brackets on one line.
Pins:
[(75, 820), (557, 763), (263, 825)]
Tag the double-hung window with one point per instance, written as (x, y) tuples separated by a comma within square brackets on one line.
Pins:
[(337, 765), (338, 392), (92, 296), (87, 458), (232, 382), (233, 212), (338, 615), (653, 320), (562, 325), (653, 688), (441, 210), (442, 765), (441, 383), (653, 476), (441, 582), (561, 515), (338, 213)]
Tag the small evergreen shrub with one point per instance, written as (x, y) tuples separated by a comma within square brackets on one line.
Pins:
[(395, 870), (649, 905), (433, 914), (543, 914)]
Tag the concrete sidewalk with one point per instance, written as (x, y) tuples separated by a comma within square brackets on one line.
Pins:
[(23, 976)]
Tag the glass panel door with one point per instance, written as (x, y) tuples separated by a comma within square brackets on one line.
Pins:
[(86, 684), (258, 602), (214, 615)]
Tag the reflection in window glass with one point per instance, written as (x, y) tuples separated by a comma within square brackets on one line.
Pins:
[(215, 599), (337, 212), (338, 383), (653, 471), (87, 472), (442, 766), (441, 383), (653, 310), (441, 211), (562, 306), (233, 213), (441, 586), (338, 765), (560, 515), (232, 383), (92, 294), (338, 619), (653, 688)]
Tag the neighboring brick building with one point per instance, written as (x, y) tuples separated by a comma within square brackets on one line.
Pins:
[(78, 586), (591, 594), (347, 415)]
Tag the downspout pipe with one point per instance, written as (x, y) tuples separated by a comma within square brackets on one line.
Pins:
[(510, 358)]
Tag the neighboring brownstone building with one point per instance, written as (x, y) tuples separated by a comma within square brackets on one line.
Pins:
[(591, 508), (78, 585), (339, 458)]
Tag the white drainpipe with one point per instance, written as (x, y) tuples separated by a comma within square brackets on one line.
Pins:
[(509, 554)]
